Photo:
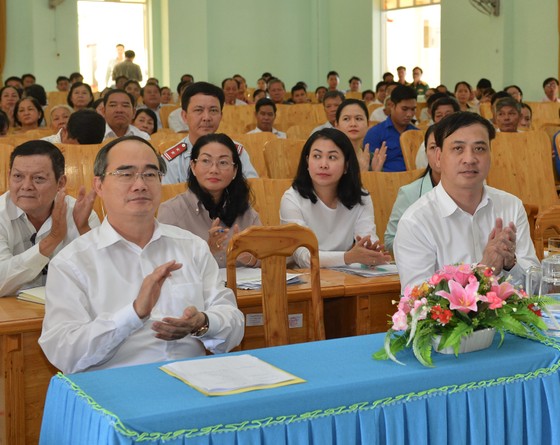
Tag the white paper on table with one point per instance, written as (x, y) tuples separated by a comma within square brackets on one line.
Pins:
[(228, 373), (362, 271), (250, 278)]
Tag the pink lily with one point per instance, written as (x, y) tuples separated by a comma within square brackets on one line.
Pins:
[(400, 321), (463, 299), (495, 301), (503, 290)]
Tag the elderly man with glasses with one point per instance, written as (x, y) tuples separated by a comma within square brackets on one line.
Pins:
[(133, 290)]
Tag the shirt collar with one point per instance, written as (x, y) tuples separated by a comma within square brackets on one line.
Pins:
[(447, 206), (109, 236)]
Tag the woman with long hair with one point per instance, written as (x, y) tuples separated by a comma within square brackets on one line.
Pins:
[(217, 202), (327, 196)]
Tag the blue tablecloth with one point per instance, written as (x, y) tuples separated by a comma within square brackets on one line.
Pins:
[(500, 395)]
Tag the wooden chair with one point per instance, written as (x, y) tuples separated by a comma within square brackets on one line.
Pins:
[(353, 95), (275, 189), (169, 191), (300, 131), (410, 143), (282, 157), (79, 161), (258, 197), (522, 165), (485, 110), (57, 97), (164, 113), (254, 144), (547, 224), (383, 188), (5, 152), (545, 111), (272, 245)]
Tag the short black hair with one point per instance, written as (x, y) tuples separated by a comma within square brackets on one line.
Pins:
[(265, 101), (333, 94), (499, 95), (40, 147), (86, 126), (150, 84), (12, 78), (367, 92), (132, 82), (545, 82), (129, 54), (115, 91), (62, 78), (516, 87), (442, 101), (4, 123), (403, 92), (298, 86), (205, 88), (381, 84), (450, 124), (75, 75), (483, 83), (38, 92), (349, 189), (354, 78), (507, 102), (332, 73)]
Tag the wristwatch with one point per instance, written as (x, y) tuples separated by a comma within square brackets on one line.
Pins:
[(203, 329)]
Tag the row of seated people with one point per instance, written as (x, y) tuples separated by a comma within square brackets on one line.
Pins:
[(126, 251)]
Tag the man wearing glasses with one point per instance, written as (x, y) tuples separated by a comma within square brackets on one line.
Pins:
[(37, 218), (550, 87), (135, 291), (201, 104)]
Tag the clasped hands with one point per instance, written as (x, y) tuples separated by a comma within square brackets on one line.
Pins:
[(168, 328), (368, 252), (500, 249)]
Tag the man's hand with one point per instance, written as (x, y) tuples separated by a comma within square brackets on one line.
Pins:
[(500, 249), (82, 209), (151, 288), (58, 225), (176, 328)]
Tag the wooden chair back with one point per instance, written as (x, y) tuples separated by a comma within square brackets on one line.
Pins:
[(547, 224), (302, 131), (57, 98), (297, 114), (383, 188), (282, 157), (522, 165), (353, 95), (410, 143), (79, 161), (5, 152), (254, 144), (258, 197), (485, 110), (164, 113), (272, 246), (545, 111), (169, 191)]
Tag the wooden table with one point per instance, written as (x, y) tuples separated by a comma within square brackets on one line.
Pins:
[(24, 372), (352, 306)]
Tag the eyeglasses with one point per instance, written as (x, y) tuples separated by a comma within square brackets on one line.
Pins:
[(207, 163), (130, 176)]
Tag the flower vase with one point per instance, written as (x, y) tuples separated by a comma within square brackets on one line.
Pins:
[(476, 341)]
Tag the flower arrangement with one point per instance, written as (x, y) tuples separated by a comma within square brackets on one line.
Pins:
[(455, 302)]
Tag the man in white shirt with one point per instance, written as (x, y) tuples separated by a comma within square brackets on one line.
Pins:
[(461, 219), (550, 88), (265, 112), (37, 218), (230, 87), (507, 114), (201, 104), (133, 290), (118, 110), (331, 101)]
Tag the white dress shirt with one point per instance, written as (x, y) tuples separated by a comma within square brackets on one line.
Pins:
[(21, 263), (175, 121), (274, 131), (378, 115), (90, 322), (435, 232), (322, 127), (132, 131), (335, 229)]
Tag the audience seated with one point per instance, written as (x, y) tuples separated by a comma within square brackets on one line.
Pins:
[(201, 104), (118, 110), (28, 114), (331, 102), (133, 87), (151, 98), (299, 94), (463, 93), (80, 96), (83, 127), (550, 87), (265, 112), (507, 114), (134, 290), (217, 203), (462, 219), (355, 84), (9, 97), (146, 120), (230, 87), (37, 218), (327, 196), (59, 116), (276, 90), (387, 133)]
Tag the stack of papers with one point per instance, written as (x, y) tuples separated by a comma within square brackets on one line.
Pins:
[(34, 295), (249, 278), (366, 271), (220, 376)]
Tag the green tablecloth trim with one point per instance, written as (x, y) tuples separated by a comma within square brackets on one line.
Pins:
[(280, 420)]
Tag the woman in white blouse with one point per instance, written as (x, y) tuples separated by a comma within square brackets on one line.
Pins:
[(327, 196)]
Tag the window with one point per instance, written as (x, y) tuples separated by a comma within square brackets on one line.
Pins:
[(101, 26)]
